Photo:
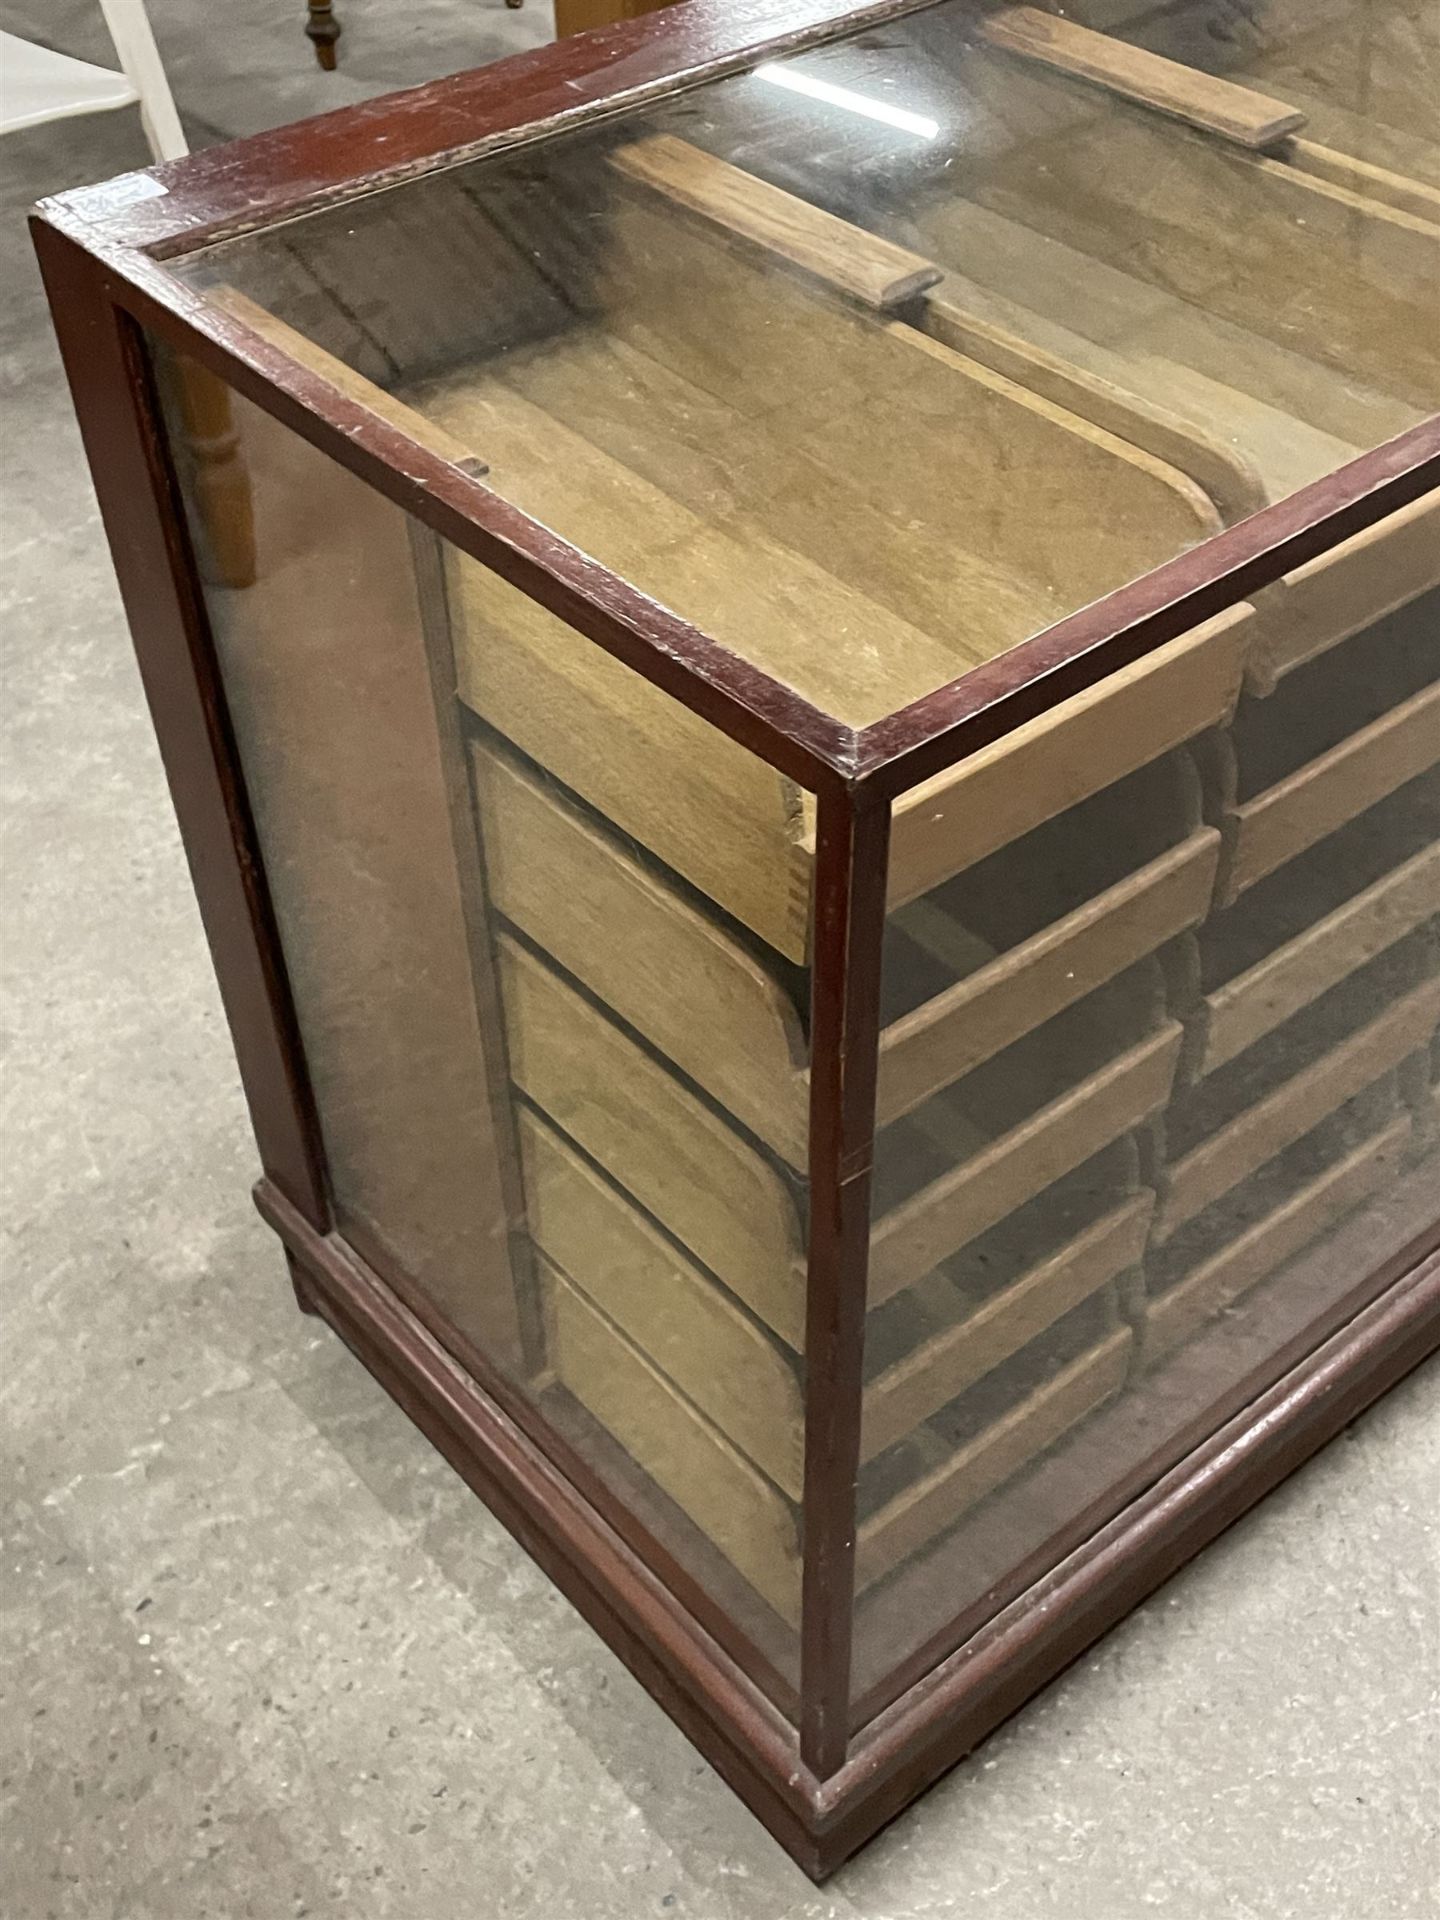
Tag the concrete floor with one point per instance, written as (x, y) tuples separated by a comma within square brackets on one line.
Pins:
[(260, 1653)]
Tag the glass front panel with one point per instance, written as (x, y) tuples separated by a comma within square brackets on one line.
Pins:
[(1158, 1099), (878, 359), (563, 1088)]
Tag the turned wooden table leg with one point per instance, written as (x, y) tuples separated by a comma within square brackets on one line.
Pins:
[(219, 476), (322, 29)]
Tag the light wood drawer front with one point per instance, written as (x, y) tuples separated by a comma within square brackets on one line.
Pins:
[(957, 818), (685, 1454), (691, 1169), (750, 1521), (914, 1237), (706, 1345), (960, 1481), (1352, 587), (929, 1049), (1286, 1115), (1258, 1000), (1322, 795), (942, 1367), (663, 965), (689, 1327), (1185, 1308)]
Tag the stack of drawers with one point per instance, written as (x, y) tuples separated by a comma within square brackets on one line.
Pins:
[(1135, 1052), (658, 1063), (1315, 983)]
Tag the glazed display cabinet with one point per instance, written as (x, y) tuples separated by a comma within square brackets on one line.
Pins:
[(799, 654)]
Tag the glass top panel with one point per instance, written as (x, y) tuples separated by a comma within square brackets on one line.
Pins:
[(875, 361)]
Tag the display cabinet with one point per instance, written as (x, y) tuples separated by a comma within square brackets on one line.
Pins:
[(799, 654)]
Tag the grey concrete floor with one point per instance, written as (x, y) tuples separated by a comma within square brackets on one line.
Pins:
[(260, 1653)]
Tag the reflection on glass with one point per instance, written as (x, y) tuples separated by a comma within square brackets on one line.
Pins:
[(563, 1094), (881, 358)]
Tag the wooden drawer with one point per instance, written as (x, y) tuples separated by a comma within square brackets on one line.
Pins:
[(1285, 1215), (1324, 915), (965, 1459), (1350, 588), (1279, 1111), (967, 1159), (746, 1515), (730, 1204), (745, 836), (971, 1156), (952, 1466), (652, 955), (968, 1318), (1150, 191), (1337, 737)]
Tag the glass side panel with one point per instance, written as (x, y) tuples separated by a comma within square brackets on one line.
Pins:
[(1159, 1087), (562, 1089), (876, 360)]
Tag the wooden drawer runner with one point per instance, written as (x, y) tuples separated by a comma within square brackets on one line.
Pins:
[(921, 1354), (1298, 1104), (1149, 191), (1214, 1283), (1366, 79), (1323, 916), (745, 1515), (632, 940)]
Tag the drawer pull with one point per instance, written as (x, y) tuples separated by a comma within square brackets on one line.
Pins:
[(1200, 99), (875, 272)]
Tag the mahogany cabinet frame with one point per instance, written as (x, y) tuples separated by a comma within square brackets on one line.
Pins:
[(822, 1783)]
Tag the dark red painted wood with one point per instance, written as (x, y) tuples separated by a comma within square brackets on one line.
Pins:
[(940, 1720), (119, 423), (277, 174), (852, 853)]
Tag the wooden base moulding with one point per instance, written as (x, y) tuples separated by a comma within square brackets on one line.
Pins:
[(919, 1736)]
